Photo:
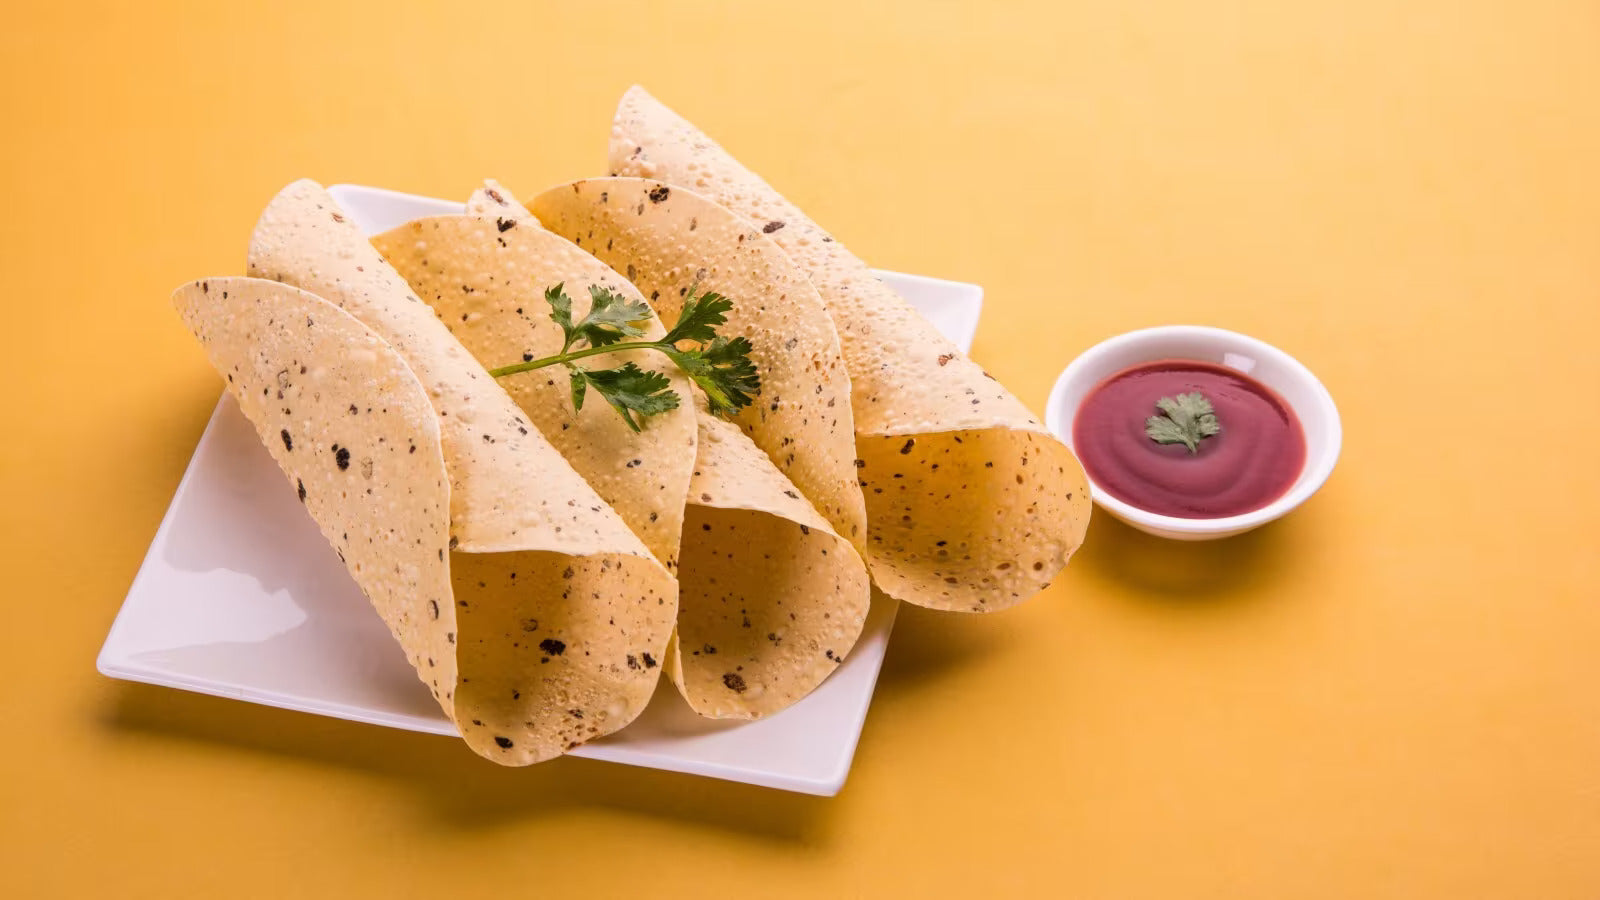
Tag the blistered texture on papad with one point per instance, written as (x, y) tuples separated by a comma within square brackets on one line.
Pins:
[(971, 504), (772, 597), (494, 200), (667, 239), (553, 593), (486, 276), (351, 428)]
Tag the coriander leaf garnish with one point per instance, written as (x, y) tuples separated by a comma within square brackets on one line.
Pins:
[(580, 387), (723, 371), (611, 317), (561, 311), (720, 367), (629, 389), (1186, 420), (701, 315)]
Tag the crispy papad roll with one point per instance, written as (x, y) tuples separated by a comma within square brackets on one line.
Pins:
[(668, 241), (485, 278), (553, 594), (352, 430), (971, 504), (773, 597), (770, 597)]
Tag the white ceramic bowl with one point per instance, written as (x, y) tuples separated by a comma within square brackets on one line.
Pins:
[(1263, 362)]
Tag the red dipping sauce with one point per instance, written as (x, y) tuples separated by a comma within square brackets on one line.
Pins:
[(1253, 461)]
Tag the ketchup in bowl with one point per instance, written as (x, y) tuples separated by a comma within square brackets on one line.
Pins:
[(1189, 439)]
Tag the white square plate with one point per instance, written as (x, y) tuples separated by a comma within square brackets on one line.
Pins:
[(240, 596)]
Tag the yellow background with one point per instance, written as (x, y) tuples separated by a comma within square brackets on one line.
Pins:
[(1393, 693)]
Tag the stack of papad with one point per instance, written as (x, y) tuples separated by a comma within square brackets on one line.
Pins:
[(771, 597), (541, 636), (971, 503)]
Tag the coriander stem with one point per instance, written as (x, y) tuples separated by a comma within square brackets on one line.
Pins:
[(564, 357)]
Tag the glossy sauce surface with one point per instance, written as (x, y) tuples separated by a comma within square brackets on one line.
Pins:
[(1252, 462)]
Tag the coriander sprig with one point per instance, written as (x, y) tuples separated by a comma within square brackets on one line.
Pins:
[(719, 366), (1185, 420), (611, 317)]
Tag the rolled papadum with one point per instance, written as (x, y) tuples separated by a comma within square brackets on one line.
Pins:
[(464, 267), (553, 595), (669, 240), (770, 597), (972, 504), (352, 429)]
